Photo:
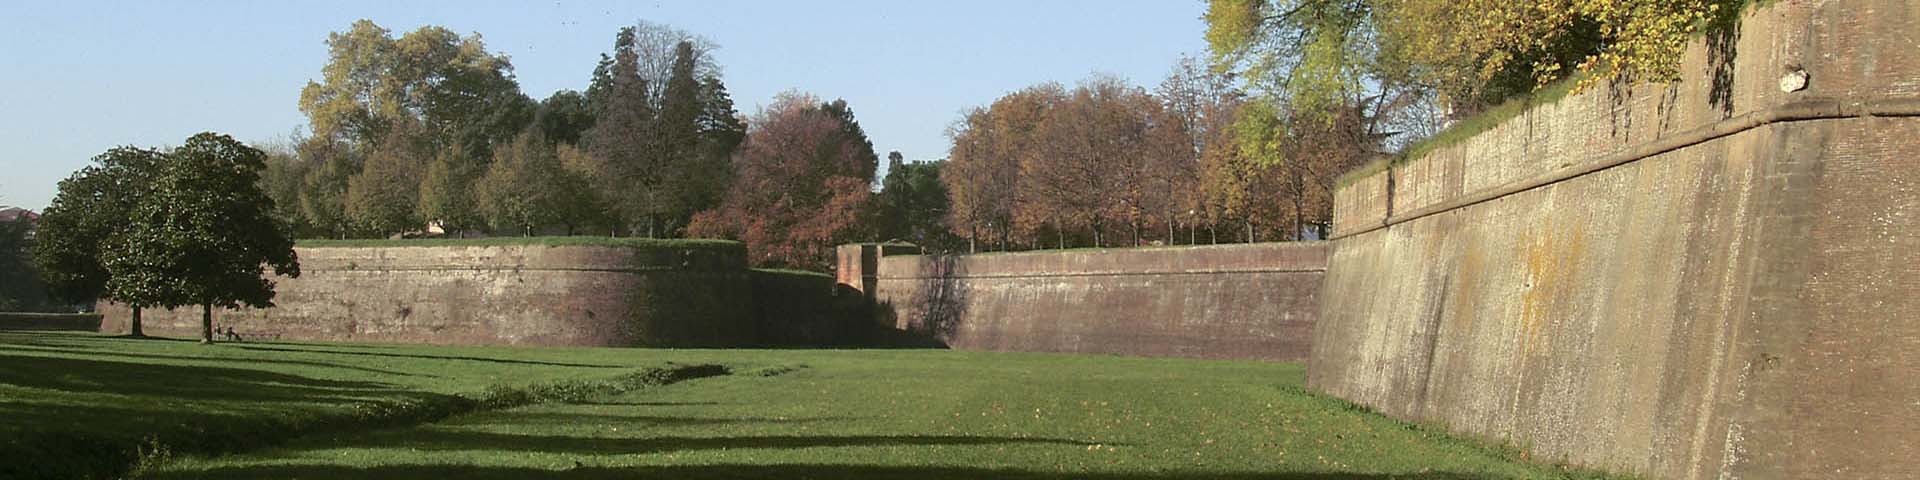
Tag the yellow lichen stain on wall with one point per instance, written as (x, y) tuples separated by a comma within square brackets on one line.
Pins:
[(1553, 258)]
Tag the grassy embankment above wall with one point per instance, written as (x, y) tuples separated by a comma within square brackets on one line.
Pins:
[(1723, 22), (556, 241), (1467, 128)]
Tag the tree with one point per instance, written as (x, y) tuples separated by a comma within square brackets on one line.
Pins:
[(283, 180), (656, 50), (1202, 102), (983, 174), (801, 184), (913, 204), (425, 110), (447, 84), (1317, 53), (20, 286), (447, 192), (623, 139), (721, 130), (1100, 157), (84, 221), (579, 206), (205, 235), (323, 195), (564, 117), (383, 197), (679, 129), (521, 190)]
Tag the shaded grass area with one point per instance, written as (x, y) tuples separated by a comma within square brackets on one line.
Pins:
[(83, 405), (554, 241), (910, 414), (50, 321)]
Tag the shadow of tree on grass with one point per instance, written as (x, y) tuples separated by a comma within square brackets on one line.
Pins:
[(175, 381), (150, 356), (90, 416)]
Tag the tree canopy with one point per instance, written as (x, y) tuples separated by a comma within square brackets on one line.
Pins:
[(87, 219), (204, 235), (800, 184), (912, 205), (1471, 52)]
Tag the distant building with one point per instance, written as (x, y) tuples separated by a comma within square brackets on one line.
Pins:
[(15, 214)]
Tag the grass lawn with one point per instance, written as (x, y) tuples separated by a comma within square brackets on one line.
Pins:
[(779, 414)]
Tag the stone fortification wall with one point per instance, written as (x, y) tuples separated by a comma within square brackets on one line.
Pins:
[(500, 294), (1713, 279), (1231, 301)]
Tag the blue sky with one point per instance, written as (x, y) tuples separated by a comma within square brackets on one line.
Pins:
[(77, 78)]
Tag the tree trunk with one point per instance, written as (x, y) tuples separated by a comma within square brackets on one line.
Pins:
[(973, 239), (1297, 226), (206, 323), (134, 330)]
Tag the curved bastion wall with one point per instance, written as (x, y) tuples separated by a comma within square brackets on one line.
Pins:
[(497, 294), (1256, 301), (1718, 278)]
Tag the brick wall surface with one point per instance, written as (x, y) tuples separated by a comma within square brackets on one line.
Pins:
[(1712, 279), (518, 295), (1231, 301)]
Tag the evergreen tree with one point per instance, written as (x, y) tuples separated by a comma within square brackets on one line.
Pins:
[(623, 140), (913, 205)]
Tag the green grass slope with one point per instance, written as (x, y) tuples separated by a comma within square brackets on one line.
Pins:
[(903, 414)]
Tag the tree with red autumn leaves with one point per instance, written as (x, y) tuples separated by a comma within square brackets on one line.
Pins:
[(801, 184)]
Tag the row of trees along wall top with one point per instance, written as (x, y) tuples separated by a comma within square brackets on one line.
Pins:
[(431, 131)]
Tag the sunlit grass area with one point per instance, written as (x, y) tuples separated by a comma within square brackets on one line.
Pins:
[(776, 414)]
